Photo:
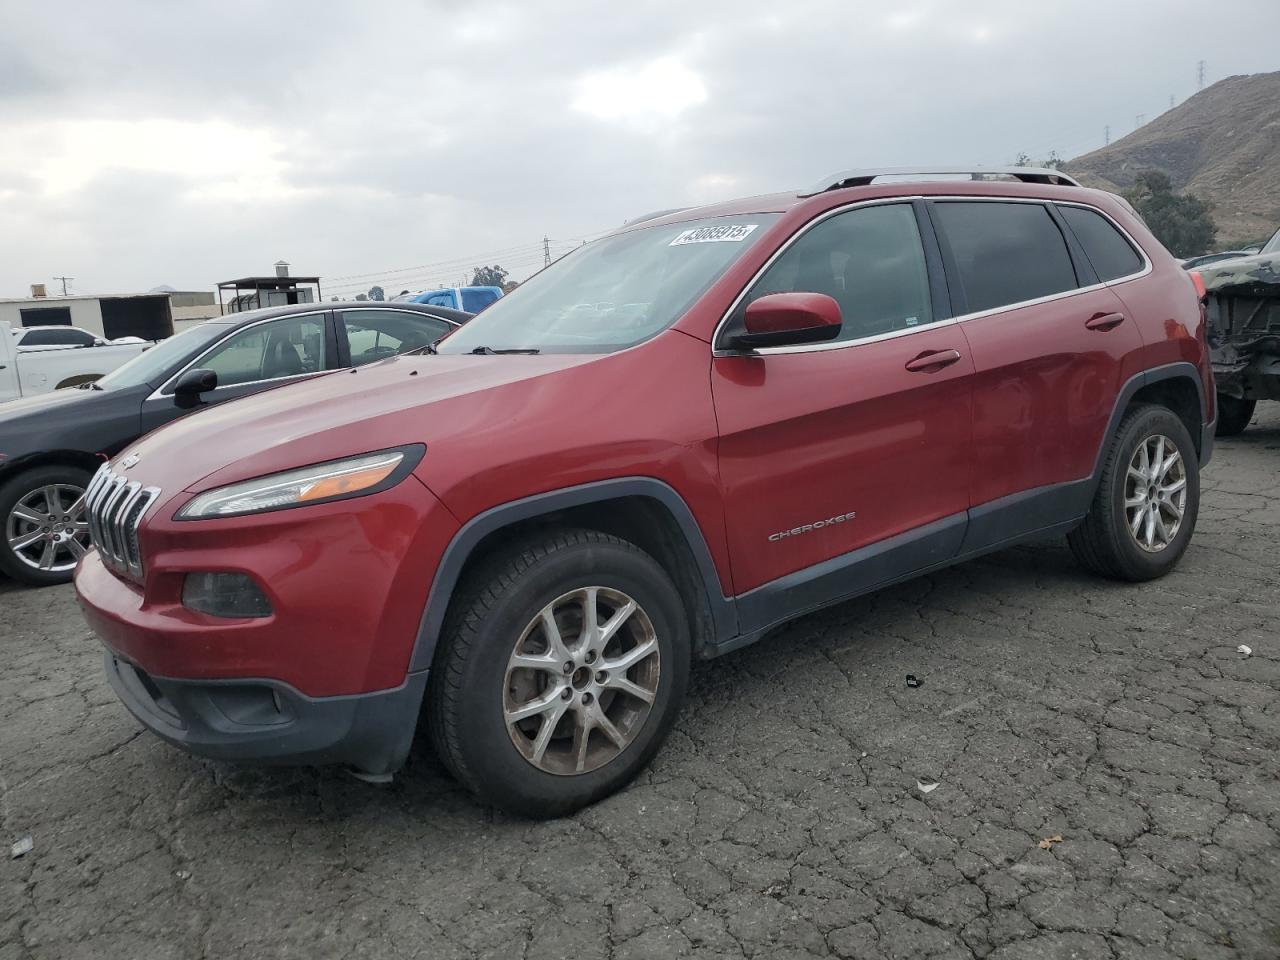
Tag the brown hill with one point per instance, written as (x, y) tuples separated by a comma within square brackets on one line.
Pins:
[(1223, 145)]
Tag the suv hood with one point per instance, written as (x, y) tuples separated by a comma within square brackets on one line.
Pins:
[(402, 400)]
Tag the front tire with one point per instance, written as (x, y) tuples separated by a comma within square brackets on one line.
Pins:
[(43, 532), (1234, 414), (561, 671), (1145, 507)]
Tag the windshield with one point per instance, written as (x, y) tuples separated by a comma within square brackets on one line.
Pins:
[(154, 365), (1273, 245), (615, 292)]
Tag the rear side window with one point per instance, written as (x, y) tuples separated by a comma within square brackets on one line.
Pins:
[(1005, 253), (57, 338), (473, 301), (869, 260), (376, 334), (1110, 253)]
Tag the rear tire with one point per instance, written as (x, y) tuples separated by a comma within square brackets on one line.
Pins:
[(29, 539), (519, 640), (1234, 414), (1130, 495)]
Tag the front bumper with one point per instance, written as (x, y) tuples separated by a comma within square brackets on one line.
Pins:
[(268, 721)]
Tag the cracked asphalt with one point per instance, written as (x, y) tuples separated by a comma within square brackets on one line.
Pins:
[(784, 817)]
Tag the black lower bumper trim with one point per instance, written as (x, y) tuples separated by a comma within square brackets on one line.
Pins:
[(268, 721)]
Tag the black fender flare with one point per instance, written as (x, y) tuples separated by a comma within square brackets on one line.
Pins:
[(1182, 369), (464, 542)]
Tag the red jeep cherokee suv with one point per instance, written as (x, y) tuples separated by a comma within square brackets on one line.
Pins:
[(673, 439)]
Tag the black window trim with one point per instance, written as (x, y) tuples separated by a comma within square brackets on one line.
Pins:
[(340, 323), (955, 297)]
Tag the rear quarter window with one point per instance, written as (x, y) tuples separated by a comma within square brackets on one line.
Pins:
[(1004, 253), (1111, 254)]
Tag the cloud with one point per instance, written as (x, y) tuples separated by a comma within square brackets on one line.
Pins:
[(659, 90), (150, 143)]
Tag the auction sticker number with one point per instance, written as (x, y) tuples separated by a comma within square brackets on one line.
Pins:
[(727, 233)]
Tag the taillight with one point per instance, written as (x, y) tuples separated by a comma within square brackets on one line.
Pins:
[(1197, 281)]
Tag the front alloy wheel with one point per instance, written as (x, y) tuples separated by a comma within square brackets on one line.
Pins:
[(560, 671), (581, 680)]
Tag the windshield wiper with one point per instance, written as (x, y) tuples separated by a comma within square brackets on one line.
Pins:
[(428, 348), (489, 351)]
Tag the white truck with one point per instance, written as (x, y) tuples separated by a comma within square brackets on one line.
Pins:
[(31, 370)]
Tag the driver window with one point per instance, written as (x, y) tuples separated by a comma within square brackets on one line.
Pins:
[(869, 260), (281, 348)]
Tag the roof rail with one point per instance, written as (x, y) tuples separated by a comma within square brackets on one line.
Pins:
[(653, 216), (861, 178)]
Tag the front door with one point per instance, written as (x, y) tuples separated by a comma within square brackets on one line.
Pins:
[(856, 450), (256, 357)]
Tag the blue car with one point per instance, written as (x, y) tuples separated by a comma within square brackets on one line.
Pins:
[(470, 299)]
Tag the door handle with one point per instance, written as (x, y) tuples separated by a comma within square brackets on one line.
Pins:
[(1104, 321), (933, 360)]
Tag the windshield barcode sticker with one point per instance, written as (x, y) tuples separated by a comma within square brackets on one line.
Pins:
[(729, 233)]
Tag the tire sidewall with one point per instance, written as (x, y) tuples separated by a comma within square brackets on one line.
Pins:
[(13, 491), (491, 758), (1151, 422)]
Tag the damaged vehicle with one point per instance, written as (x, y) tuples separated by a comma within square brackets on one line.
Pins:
[(1244, 333)]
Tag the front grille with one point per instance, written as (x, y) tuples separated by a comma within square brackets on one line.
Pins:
[(114, 507)]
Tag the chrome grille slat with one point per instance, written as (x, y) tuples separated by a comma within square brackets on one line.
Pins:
[(115, 508)]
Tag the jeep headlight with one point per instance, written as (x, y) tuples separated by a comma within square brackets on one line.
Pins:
[(319, 483)]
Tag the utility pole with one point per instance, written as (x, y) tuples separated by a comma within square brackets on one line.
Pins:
[(1139, 120), (64, 283), (1171, 101), (1199, 74), (546, 250), (1106, 135)]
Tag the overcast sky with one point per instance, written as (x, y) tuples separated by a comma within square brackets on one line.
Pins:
[(186, 143)]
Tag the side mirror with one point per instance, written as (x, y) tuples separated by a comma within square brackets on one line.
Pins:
[(785, 319), (187, 391), (99, 342)]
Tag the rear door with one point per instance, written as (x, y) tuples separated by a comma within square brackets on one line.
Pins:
[(1051, 348), (256, 357), (829, 448)]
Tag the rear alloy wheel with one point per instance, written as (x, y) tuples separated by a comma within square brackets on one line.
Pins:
[(1234, 414), (1144, 510), (560, 672), (1155, 493), (45, 531)]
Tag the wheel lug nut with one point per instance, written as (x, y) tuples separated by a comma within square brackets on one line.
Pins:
[(586, 698), (601, 677), (567, 694), (568, 668), (591, 656)]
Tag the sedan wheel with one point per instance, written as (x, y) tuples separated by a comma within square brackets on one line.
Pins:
[(43, 523)]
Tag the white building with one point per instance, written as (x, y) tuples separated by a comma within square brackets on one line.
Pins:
[(152, 316)]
